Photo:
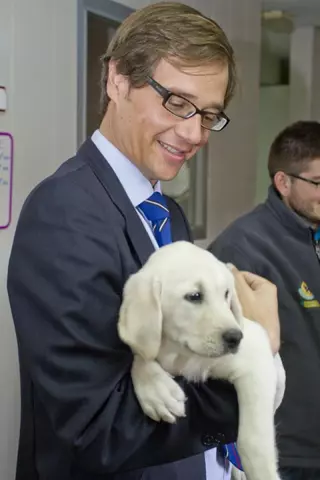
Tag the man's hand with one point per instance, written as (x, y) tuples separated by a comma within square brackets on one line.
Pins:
[(258, 298)]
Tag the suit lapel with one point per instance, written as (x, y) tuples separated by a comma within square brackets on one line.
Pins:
[(137, 234), (179, 226), (176, 232)]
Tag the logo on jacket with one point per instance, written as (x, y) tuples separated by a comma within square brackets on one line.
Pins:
[(307, 298)]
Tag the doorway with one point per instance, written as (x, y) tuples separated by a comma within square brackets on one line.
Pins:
[(97, 22)]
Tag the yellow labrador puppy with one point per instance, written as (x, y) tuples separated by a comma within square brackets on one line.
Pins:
[(181, 316)]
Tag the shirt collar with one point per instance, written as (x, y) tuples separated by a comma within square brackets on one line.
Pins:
[(137, 186)]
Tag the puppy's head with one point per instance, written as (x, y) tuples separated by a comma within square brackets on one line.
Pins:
[(185, 294)]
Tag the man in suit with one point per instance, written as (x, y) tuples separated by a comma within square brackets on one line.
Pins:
[(166, 78)]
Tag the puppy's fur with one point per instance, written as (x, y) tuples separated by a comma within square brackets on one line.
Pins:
[(181, 316)]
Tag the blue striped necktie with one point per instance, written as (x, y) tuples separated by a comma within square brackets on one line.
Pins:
[(231, 453), (156, 211)]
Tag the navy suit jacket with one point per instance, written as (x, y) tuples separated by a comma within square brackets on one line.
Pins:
[(77, 241)]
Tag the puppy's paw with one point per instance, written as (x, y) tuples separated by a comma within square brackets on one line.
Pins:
[(160, 397)]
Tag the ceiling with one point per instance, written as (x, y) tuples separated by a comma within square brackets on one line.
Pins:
[(276, 32), (302, 12)]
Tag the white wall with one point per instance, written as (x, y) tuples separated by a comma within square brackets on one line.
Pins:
[(233, 152), (305, 74), (273, 117), (38, 67)]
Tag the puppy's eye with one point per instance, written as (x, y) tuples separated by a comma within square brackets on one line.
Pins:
[(226, 295), (194, 297)]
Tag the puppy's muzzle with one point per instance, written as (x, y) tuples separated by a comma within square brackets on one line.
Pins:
[(231, 340)]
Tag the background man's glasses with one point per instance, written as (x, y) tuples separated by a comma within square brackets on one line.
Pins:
[(308, 180), (183, 108)]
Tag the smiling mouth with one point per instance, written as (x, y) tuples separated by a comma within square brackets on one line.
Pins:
[(173, 150)]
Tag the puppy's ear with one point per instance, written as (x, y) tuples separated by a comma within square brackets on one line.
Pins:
[(140, 318), (235, 304)]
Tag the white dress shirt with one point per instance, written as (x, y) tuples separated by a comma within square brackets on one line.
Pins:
[(138, 189)]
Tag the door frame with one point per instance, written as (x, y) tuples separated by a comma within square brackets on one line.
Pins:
[(109, 10)]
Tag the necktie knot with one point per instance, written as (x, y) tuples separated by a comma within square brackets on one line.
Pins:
[(156, 211)]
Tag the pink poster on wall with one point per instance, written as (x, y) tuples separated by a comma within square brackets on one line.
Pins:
[(6, 173)]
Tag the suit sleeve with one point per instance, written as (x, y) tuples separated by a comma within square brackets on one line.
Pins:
[(65, 286)]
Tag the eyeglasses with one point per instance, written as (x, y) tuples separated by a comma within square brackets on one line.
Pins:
[(183, 108), (308, 180)]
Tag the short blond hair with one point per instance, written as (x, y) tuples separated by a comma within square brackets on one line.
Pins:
[(172, 31)]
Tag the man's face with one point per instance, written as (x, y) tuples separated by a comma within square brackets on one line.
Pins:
[(154, 139), (304, 197)]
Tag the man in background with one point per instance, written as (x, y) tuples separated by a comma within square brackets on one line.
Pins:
[(279, 240)]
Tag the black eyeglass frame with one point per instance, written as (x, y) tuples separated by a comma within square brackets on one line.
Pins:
[(308, 180), (166, 94)]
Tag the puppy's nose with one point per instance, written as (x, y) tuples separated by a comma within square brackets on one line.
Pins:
[(232, 339)]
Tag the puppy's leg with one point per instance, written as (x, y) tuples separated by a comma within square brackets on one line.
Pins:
[(255, 382), (281, 381), (237, 474), (159, 395)]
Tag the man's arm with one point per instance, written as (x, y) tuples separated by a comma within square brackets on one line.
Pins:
[(65, 286)]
